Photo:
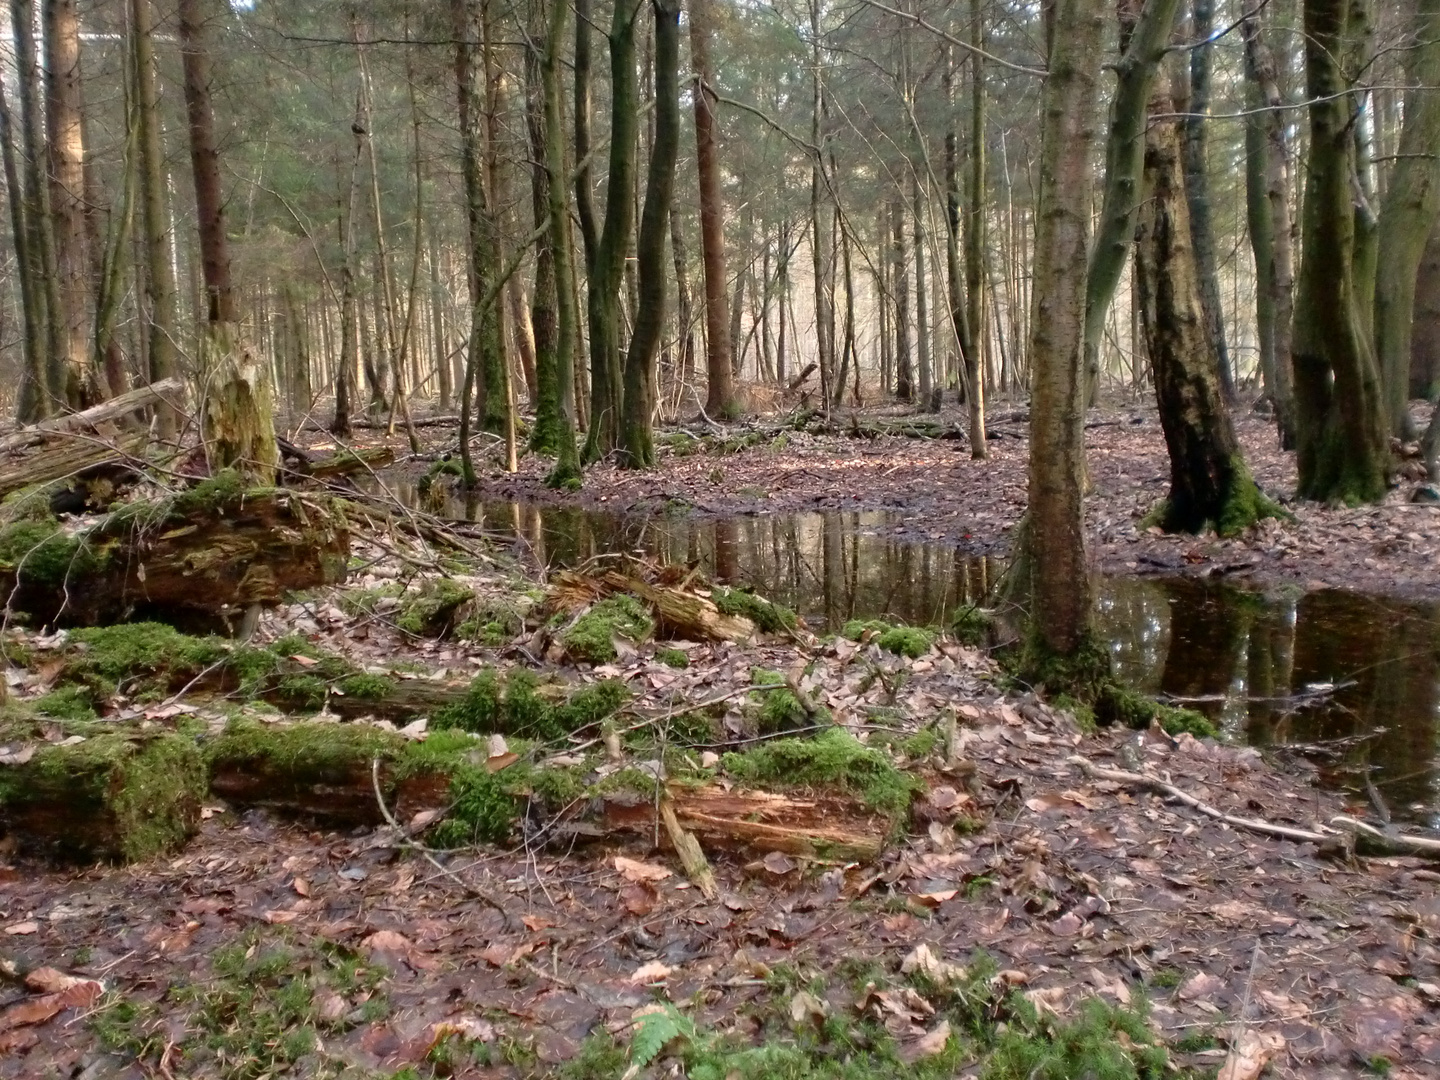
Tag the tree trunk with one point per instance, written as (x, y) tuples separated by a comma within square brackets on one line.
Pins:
[(566, 472), (1197, 185), (239, 422), (904, 379), (1425, 333), (720, 399), (1209, 483), (684, 315), (73, 374), (34, 400), (1270, 225), (1407, 218), (919, 197), (348, 361), (159, 273), (637, 441), (973, 340), (1144, 34), (1054, 562), (1340, 422)]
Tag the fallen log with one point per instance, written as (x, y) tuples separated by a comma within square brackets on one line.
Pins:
[(71, 457), (172, 390), (213, 551), (346, 462), (679, 613)]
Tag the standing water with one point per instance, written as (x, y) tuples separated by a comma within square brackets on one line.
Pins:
[(1351, 681)]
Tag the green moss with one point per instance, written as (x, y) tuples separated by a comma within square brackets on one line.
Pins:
[(105, 656), (1081, 674), (591, 638), (366, 687), (492, 622), (40, 554), (1103, 1042), (832, 759), (367, 601), (767, 617), (112, 797), (1117, 704), (973, 626), (222, 489), (67, 703), (432, 612), (520, 705), (901, 640), (445, 467), (675, 658)]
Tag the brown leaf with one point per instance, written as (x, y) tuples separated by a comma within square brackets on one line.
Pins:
[(30, 927), (301, 886), (1201, 985), (806, 1007), (387, 941), (634, 870), (49, 981), (639, 899), (932, 1042), (1250, 1054), (20, 1039), (652, 972), (536, 923), (17, 757), (304, 661), (500, 761), (1067, 925), (778, 863)]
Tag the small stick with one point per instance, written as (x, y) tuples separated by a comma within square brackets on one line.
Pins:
[(692, 856)]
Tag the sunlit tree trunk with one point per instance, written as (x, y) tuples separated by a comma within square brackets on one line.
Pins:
[(904, 377), (720, 401), (1054, 566), (1407, 218), (975, 239), (348, 356), (239, 424), (1341, 444), (636, 436), (33, 402), (159, 274)]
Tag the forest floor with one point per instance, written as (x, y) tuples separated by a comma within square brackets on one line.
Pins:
[(1024, 917), (943, 495)]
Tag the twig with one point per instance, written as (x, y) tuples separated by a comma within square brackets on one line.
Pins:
[(406, 842)]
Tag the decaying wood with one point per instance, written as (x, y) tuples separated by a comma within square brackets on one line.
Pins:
[(69, 457), (301, 463), (212, 558), (679, 613), (170, 390), (692, 856), (1367, 839)]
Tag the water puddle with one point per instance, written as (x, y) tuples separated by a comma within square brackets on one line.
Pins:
[(1350, 680)]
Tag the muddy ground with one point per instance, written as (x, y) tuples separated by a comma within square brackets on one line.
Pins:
[(948, 497)]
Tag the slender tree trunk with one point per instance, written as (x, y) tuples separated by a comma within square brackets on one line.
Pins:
[(904, 376), (1053, 563), (822, 216), (74, 374), (566, 472), (919, 196), (159, 275), (684, 315), (1407, 218), (1145, 28), (607, 273), (637, 440), (1341, 446), (720, 399), (552, 423), (955, 280), (348, 362), (1197, 184), (1209, 483), (239, 413), (34, 400)]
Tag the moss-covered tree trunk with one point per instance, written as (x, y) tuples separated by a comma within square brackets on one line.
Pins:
[(636, 437), (608, 267), (1341, 444), (1144, 33), (1053, 551), (239, 421), (1407, 218), (1209, 483)]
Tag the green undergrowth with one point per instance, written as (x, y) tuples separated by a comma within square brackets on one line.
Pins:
[(781, 710), (591, 638), (519, 703), (911, 641), (973, 626), (440, 471), (1083, 684), (39, 553), (833, 759), (769, 618), (675, 658)]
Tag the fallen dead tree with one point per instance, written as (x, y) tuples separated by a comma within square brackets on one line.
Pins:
[(213, 550), (679, 611), (171, 390)]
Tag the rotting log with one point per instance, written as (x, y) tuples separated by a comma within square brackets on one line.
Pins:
[(210, 552), (111, 798), (309, 467), (679, 613), (171, 391), (69, 458)]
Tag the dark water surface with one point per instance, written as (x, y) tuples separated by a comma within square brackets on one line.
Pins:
[(1351, 681)]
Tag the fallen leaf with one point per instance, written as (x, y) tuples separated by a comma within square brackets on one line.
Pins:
[(387, 941), (331, 1006), (934, 1041), (536, 923), (1201, 985), (39, 1010), (49, 981), (778, 863), (652, 972), (1050, 999), (806, 1007), (17, 757), (634, 870), (12, 1042), (304, 661), (423, 818), (23, 928), (1067, 925), (1250, 1054), (639, 899), (934, 898), (301, 886), (924, 960), (470, 1028)]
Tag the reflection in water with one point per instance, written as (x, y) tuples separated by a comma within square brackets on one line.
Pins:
[(1257, 663)]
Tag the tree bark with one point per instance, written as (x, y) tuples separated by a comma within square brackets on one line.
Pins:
[(1197, 184), (904, 376), (720, 401), (636, 436), (159, 272), (1407, 218), (1054, 561), (239, 422), (34, 400), (348, 360), (1209, 483), (975, 238), (1341, 446)]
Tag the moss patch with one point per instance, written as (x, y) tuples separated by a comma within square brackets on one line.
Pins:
[(591, 639), (113, 797), (1103, 1041), (675, 658), (520, 704), (973, 626), (1116, 703), (908, 641), (833, 759), (768, 617), (39, 554), (436, 609)]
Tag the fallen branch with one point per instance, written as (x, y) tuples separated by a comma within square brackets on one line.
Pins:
[(692, 855), (1367, 839), (106, 410)]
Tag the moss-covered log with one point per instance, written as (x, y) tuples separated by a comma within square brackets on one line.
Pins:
[(69, 458), (212, 550), (112, 797), (678, 612)]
